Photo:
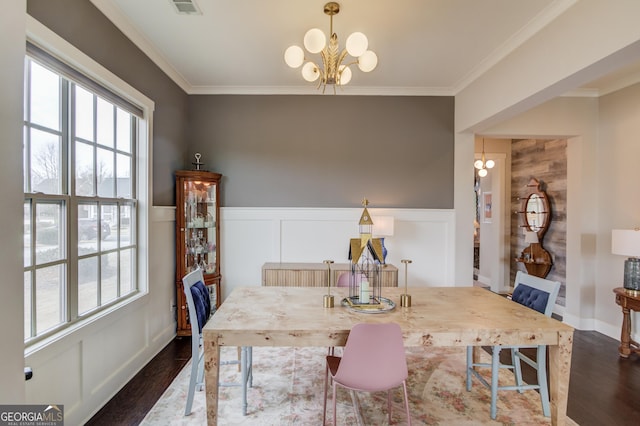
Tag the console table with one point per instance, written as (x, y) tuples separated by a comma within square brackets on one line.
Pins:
[(629, 300), (315, 274)]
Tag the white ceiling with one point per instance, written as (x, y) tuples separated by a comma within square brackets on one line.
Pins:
[(424, 47)]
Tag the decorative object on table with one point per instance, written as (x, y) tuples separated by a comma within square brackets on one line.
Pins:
[(197, 236), (332, 71), (405, 299), (382, 228), (536, 215), (328, 298), (483, 164), (365, 254), (198, 163), (626, 242)]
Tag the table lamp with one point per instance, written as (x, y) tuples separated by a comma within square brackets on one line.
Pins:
[(328, 298), (626, 242), (383, 227), (405, 299)]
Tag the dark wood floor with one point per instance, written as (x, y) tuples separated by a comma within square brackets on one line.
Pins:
[(604, 388)]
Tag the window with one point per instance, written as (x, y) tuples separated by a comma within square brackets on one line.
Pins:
[(80, 204)]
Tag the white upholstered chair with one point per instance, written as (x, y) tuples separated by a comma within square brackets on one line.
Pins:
[(199, 305)]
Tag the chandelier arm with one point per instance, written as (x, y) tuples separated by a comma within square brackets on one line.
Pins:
[(351, 63), (343, 54)]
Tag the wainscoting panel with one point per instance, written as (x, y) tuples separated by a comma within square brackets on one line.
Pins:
[(251, 237)]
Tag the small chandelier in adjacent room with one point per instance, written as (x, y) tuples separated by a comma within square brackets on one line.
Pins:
[(332, 70), (483, 164)]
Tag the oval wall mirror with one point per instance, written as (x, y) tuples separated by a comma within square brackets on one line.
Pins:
[(536, 209)]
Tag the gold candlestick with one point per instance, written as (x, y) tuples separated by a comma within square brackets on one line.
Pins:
[(328, 298), (405, 299)]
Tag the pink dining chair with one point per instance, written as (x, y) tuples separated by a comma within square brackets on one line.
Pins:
[(343, 281), (373, 360)]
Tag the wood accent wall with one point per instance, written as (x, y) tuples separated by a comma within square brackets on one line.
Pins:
[(545, 160)]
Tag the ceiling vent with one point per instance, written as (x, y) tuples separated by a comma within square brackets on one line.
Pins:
[(186, 7)]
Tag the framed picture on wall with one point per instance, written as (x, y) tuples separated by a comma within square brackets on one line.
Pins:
[(486, 207)]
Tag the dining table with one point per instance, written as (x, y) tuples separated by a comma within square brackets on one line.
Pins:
[(437, 316)]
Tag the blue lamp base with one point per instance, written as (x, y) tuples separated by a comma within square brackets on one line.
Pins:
[(632, 274)]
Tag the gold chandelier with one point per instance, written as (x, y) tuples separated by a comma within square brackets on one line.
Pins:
[(483, 164), (332, 71)]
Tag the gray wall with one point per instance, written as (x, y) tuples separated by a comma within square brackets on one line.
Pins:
[(82, 25), (326, 151), (288, 151)]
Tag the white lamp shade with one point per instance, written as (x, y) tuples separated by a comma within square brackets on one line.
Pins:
[(531, 237), (367, 61), (482, 172), (310, 72), (345, 75), (490, 164), (382, 226), (357, 44), (294, 56), (314, 40), (625, 242), (478, 164)]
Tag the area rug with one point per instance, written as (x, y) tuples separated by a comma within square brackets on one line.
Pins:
[(288, 388)]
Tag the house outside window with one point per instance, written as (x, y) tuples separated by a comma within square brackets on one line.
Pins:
[(81, 213)]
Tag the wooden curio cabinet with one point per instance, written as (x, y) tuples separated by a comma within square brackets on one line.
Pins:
[(197, 236)]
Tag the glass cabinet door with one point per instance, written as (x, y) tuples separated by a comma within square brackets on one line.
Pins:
[(200, 226)]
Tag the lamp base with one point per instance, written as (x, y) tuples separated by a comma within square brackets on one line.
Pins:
[(632, 274), (405, 300), (328, 301)]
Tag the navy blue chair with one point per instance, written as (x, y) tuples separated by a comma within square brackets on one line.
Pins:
[(199, 305), (538, 294)]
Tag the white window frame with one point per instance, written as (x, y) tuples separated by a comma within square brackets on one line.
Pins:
[(46, 39)]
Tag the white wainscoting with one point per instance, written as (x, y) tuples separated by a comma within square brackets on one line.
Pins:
[(91, 362), (252, 236)]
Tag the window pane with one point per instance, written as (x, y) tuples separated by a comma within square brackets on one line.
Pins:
[(45, 162), (84, 169), (109, 214), (123, 173), (49, 297), (124, 130), (27, 233), (87, 284), (126, 271), (105, 173), (27, 304), (125, 225), (105, 123), (109, 277), (49, 232), (87, 228), (45, 97), (84, 113)]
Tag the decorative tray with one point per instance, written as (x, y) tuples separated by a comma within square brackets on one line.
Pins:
[(383, 305)]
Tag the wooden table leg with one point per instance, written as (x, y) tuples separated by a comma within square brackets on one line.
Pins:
[(625, 335), (559, 374), (212, 374)]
